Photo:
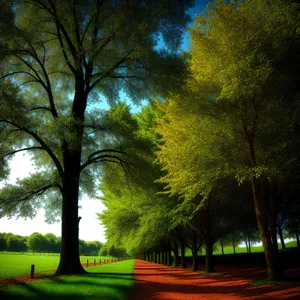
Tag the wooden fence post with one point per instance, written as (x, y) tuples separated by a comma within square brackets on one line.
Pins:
[(32, 272)]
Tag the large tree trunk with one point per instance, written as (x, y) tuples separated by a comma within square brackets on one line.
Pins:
[(272, 261), (176, 254), (209, 267), (69, 255)]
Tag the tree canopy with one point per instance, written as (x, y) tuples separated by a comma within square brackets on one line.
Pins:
[(58, 60)]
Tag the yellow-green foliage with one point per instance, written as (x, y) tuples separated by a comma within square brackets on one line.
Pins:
[(229, 98)]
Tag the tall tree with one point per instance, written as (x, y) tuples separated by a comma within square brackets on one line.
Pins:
[(136, 218), (55, 63)]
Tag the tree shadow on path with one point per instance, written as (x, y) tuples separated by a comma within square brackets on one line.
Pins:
[(153, 281)]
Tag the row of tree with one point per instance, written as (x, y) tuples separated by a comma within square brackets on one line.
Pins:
[(48, 243), (224, 150), (221, 154)]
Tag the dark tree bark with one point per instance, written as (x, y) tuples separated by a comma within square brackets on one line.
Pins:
[(297, 238), (222, 247), (169, 257), (233, 245), (182, 252), (281, 235), (274, 269), (69, 256), (176, 254), (272, 218), (209, 268), (158, 258), (165, 257), (194, 251), (154, 257), (162, 257)]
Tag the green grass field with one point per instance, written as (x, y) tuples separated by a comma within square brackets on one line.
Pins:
[(229, 250), (109, 282), (12, 264)]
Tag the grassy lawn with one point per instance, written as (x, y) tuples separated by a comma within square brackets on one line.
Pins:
[(12, 264), (229, 250), (111, 282)]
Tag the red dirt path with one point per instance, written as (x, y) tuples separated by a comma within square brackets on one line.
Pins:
[(154, 281)]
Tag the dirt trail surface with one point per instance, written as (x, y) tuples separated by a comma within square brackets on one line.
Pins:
[(154, 281)]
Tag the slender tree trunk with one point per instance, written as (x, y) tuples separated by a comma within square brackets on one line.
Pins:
[(273, 216), (297, 238), (154, 257), (281, 236), (158, 258), (233, 245), (165, 257), (169, 257), (222, 247), (182, 252), (273, 265), (208, 241), (246, 243), (194, 251), (176, 254)]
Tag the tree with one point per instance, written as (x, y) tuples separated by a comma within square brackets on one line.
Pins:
[(15, 243), (138, 217), (53, 243), (250, 237), (65, 55), (36, 242), (234, 118)]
